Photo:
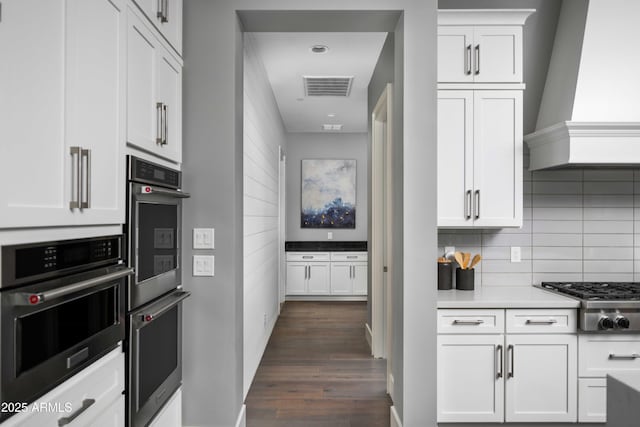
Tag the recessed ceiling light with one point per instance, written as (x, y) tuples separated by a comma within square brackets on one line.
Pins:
[(319, 48), (299, 99), (331, 127), (331, 115)]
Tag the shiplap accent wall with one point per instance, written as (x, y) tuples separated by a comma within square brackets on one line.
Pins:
[(579, 224), (263, 134)]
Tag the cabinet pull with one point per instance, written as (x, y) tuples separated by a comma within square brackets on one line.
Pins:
[(85, 203), (511, 364), (468, 322), (86, 403), (305, 272), (477, 59), (352, 256), (307, 256), (500, 361), (165, 113), (74, 203), (467, 61), (159, 125), (309, 272), (476, 204), (467, 205), (631, 356), (162, 14), (541, 322)]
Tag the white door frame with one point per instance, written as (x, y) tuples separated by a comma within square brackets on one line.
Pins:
[(381, 238), (282, 224)]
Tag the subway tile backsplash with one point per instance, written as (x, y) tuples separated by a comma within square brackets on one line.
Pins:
[(579, 224)]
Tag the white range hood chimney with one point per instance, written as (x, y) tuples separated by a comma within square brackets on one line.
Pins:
[(590, 109)]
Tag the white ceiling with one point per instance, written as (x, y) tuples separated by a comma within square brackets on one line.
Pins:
[(287, 58)]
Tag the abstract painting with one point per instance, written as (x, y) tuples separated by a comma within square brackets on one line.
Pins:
[(328, 193)]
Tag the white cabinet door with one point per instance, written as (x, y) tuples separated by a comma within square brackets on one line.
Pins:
[(592, 400), (497, 54), (455, 61), (63, 87), (455, 158), (111, 416), (95, 104), (154, 93), (497, 158), (296, 278), (166, 16), (318, 278), (360, 278), (470, 378), (341, 278), (541, 378), (171, 414)]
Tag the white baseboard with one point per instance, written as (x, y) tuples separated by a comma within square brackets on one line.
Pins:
[(325, 298), (391, 383), (242, 417), (395, 419), (368, 334)]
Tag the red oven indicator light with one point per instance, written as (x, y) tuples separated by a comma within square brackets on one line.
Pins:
[(147, 189), (34, 299), (148, 318)]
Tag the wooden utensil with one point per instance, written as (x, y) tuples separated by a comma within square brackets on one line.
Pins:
[(466, 259), (476, 259), (459, 258)]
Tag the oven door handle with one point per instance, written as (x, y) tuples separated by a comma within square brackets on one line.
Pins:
[(175, 298), (147, 189), (38, 298)]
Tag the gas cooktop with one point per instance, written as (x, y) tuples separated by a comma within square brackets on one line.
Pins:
[(597, 291)]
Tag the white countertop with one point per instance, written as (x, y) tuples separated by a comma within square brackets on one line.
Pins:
[(504, 297)]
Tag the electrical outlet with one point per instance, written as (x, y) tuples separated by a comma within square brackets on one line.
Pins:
[(203, 238), (330, 235), (203, 265), (516, 254), (449, 251)]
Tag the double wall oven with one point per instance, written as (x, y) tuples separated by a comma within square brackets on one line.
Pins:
[(154, 294), (62, 308)]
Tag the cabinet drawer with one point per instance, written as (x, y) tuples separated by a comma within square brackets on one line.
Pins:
[(470, 321), (592, 400), (308, 256), (599, 355), (541, 321), (348, 256)]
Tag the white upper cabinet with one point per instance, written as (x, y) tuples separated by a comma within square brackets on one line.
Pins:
[(480, 158), (481, 46), (166, 16), (62, 115), (154, 92)]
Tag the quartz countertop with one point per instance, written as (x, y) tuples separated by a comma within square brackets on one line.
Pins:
[(504, 297)]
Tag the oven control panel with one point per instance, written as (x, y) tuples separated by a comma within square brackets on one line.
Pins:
[(151, 173)]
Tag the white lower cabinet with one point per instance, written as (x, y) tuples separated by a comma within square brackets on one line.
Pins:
[(327, 273), (599, 355), (486, 374), (171, 414), (92, 397)]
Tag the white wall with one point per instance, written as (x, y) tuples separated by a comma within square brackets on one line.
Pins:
[(263, 134), (326, 146)]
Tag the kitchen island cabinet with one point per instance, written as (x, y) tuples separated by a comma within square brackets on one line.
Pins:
[(62, 113)]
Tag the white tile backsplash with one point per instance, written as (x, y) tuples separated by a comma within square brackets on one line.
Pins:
[(579, 225)]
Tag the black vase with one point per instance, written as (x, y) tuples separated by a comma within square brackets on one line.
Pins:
[(445, 276), (465, 279)]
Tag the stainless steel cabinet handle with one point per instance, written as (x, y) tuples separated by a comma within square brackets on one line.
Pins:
[(162, 11), (500, 361), (159, 125), (467, 61), (476, 204), (624, 356), (541, 322), (74, 203), (511, 365), (305, 272), (309, 272), (165, 113), (85, 202), (352, 256), (165, 12), (86, 403), (307, 256), (35, 299), (467, 205), (477, 59), (468, 322)]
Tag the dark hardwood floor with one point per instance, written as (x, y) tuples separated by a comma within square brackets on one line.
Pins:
[(317, 371)]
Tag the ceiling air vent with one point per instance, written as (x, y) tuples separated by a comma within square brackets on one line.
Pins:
[(327, 86)]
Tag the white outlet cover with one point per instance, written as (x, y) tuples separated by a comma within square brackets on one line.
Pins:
[(516, 254), (203, 265), (203, 238), (329, 235)]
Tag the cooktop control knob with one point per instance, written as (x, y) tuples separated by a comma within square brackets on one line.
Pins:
[(605, 323), (622, 322)]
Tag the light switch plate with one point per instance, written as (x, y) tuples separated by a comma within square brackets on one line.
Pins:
[(329, 235), (203, 265), (203, 238), (516, 254)]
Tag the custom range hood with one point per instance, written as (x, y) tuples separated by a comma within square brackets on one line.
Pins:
[(590, 109)]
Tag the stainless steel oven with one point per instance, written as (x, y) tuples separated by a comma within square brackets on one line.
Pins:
[(62, 308), (155, 356), (153, 230)]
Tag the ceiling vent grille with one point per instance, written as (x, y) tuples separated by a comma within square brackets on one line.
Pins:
[(327, 86)]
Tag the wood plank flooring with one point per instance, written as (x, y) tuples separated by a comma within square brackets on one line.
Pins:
[(317, 371)]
